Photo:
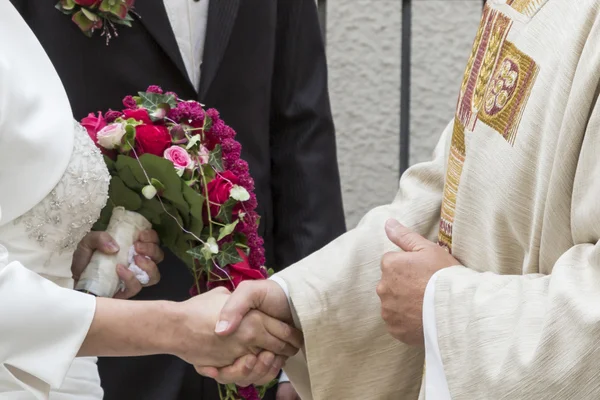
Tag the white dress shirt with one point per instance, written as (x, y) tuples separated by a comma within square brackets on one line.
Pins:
[(188, 20)]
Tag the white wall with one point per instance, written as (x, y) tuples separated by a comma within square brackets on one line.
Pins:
[(363, 49)]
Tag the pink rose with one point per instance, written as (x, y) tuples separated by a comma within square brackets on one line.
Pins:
[(203, 155), (111, 136), (93, 124), (179, 157)]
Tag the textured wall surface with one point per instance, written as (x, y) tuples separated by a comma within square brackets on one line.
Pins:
[(442, 38), (363, 49)]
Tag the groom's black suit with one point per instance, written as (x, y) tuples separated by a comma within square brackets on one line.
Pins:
[(264, 69)]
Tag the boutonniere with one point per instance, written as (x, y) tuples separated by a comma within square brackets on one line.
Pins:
[(98, 15)]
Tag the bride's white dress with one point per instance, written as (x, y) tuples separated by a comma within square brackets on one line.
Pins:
[(53, 185), (44, 239)]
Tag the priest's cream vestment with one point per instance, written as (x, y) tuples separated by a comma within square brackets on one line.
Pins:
[(513, 192)]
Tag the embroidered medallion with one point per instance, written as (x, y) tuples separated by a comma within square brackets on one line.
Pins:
[(509, 91), (488, 43)]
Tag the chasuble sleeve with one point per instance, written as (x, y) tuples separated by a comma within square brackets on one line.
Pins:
[(42, 327), (530, 336), (348, 351)]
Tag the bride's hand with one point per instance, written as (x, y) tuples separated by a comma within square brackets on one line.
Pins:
[(146, 246), (199, 345)]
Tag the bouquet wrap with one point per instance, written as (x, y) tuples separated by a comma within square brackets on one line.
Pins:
[(100, 277)]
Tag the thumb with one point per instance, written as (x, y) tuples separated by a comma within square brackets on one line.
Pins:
[(248, 296), (403, 237)]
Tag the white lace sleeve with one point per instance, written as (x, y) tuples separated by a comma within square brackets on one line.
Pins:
[(42, 329)]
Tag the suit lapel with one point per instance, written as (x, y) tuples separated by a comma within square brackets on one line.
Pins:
[(153, 16), (221, 19)]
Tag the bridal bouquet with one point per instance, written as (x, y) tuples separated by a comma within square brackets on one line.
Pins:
[(176, 167)]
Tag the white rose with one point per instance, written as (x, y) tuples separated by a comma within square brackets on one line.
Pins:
[(111, 136)]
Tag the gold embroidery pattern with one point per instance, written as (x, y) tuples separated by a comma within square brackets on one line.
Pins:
[(489, 40), (496, 86), (456, 161), (509, 91), (527, 7)]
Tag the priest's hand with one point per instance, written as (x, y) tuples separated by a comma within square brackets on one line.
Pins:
[(404, 278), (267, 297), (256, 332)]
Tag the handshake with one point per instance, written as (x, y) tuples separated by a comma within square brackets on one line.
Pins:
[(243, 337)]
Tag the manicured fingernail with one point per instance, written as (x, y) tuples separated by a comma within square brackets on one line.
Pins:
[(221, 326), (112, 246), (392, 223)]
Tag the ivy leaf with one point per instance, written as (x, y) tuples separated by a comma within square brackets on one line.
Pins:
[(193, 141), (215, 159), (152, 101), (208, 123), (228, 255), (227, 230), (226, 212), (196, 252)]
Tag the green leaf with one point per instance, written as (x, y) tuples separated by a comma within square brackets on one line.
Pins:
[(151, 210), (270, 272), (215, 159), (227, 230), (129, 138), (159, 169), (226, 211), (193, 141), (152, 101), (83, 22), (102, 223), (207, 123), (157, 184), (163, 170), (90, 15), (168, 229), (196, 252), (228, 255), (196, 204), (110, 164), (209, 172), (66, 6), (122, 196)]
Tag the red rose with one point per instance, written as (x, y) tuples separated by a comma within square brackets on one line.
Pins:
[(237, 273), (219, 189), (88, 3), (152, 139), (139, 114), (93, 124)]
